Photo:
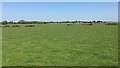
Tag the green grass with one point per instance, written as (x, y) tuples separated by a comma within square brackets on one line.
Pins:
[(60, 45)]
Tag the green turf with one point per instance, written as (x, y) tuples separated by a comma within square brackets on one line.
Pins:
[(60, 45)]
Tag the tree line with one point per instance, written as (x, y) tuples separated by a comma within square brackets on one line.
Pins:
[(42, 22)]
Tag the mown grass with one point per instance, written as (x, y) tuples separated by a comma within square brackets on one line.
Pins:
[(60, 45)]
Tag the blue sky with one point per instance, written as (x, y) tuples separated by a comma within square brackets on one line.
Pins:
[(60, 11)]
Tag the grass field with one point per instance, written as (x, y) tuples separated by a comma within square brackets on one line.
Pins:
[(60, 45)]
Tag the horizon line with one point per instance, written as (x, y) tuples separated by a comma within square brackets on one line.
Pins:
[(62, 20)]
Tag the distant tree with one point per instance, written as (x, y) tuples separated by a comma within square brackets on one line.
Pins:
[(4, 22), (99, 21), (14, 22), (89, 22), (21, 22), (94, 21), (76, 21), (73, 22), (10, 22)]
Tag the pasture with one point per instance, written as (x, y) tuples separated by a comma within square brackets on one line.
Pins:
[(60, 45)]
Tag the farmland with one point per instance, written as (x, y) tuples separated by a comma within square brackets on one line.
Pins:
[(60, 45)]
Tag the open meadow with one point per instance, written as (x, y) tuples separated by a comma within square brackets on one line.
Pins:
[(60, 45)]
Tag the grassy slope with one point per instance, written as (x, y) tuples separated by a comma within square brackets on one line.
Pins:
[(61, 45)]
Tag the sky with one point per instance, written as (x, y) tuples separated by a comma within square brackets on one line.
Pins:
[(60, 0), (60, 11)]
